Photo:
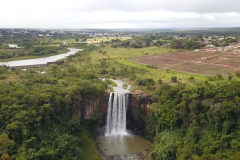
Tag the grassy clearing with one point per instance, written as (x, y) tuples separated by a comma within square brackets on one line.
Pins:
[(105, 39), (162, 73), (115, 58), (124, 53)]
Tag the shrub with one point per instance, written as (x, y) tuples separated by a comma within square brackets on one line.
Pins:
[(230, 77), (174, 79), (159, 81), (145, 82), (152, 66), (38, 49), (125, 86), (237, 73), (110, 82), (211, 78), (219, 76), (103, 71), (3, 76), (191, 78), (52, 50), (2, 70)]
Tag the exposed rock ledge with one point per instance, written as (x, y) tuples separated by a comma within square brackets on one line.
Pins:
[(138, 109)]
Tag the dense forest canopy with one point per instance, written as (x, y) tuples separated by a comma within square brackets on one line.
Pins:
[(195, 122), (192, 116), (39, 114)]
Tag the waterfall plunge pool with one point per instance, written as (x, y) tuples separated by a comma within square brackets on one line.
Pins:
[(122, 144), (117, 141)]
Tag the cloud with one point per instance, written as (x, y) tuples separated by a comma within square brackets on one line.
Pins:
[(196, 6), (154, 19), (119, 13)]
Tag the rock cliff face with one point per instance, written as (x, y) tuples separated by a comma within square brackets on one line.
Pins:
[(137, 111), (99, 105)]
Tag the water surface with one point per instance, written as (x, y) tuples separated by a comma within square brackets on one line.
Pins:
[(43, 60), (119, 88), (116, 140), (122, 144)]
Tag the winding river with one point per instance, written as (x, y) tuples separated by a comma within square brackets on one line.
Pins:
[(43, 60)]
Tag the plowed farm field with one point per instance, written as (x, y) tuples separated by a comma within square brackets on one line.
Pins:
[(203, 63)]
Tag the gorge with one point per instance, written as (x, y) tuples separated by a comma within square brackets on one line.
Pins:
[(137, 111), (119, 137)]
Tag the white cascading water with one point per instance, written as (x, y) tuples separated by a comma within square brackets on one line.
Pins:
[(116, 140), (116, 115)]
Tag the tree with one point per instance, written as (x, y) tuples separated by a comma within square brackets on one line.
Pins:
[(237, 73), (114, 46), (74, 124), (230, 77), (104, 52), (38, 49), (5, 143), (5, 156), (159, 81), (174, 79), (219, 76), (191, 78), (177, 44)]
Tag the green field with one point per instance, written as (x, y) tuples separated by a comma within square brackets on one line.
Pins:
[(105, 39), (124, 53)]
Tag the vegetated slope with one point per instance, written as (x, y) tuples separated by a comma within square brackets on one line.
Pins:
[(196, 122), (39, 115)]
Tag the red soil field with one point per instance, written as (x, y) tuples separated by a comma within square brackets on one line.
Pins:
[(204, 63)]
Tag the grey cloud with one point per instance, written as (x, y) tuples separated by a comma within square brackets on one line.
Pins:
[(196, 6), (121, 13)]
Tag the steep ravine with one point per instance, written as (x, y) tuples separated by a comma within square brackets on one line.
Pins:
[(138, 109), (137, 112)]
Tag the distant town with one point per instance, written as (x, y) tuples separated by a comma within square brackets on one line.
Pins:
[(52, 33), (214, 40)]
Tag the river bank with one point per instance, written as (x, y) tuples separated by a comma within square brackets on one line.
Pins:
[(34, 57)]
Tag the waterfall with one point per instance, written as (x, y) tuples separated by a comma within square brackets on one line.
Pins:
[(116, 114)]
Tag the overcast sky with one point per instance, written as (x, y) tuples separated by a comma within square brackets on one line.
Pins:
[(119, 13)]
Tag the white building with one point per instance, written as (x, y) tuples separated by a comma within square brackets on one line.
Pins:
[(210, 46), (12, 45)]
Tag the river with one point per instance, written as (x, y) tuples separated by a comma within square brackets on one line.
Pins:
[(43, 60)]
